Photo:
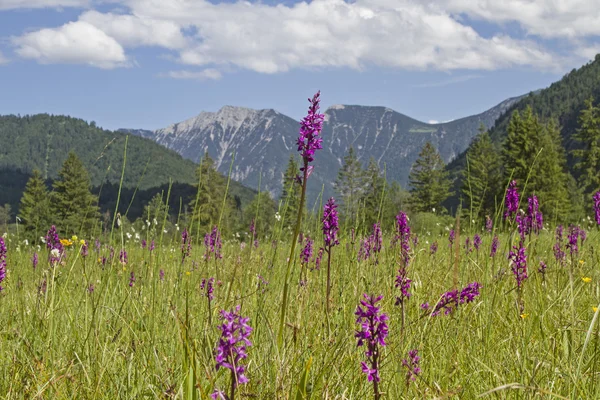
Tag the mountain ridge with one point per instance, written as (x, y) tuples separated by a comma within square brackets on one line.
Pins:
[(263, 139)]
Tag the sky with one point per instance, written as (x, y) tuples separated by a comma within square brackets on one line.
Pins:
[(149, 63)]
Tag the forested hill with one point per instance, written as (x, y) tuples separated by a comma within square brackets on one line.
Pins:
[(43, 142), (562, 100)]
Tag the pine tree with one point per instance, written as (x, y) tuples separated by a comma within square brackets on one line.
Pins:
[(264, 220), (534, 157), (350, 186), (290, 196), (429, 181), (522, 145), (74, 207), (482, 181), (550, 178), (206, 206), (374, 185), (156, 208), (588, 157), (5, 217), (34, 208), (396, 199)]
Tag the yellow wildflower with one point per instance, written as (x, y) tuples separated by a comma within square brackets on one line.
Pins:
[(66, 242), (523, 316), (124, 268), (581, 262), (99, 260), (188, 273), (82, 242), (594, 309), (74, 238), (586, 279)]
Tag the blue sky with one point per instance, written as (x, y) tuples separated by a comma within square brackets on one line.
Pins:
[(149, 63)]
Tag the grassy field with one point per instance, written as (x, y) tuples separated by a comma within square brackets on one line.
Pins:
[(80, 329)]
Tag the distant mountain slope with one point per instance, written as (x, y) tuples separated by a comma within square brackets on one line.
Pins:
[(562, 100), (43, 141), (263, 140)]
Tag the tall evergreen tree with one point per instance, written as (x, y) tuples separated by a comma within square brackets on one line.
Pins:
[(588, 156), (373, 190), (74, 207), (206, 205), (350, 185), (522, 145), (482, 181), (262, 211), (5, 217), (429, 181), (34, 210), (533, 155), (290, 195)]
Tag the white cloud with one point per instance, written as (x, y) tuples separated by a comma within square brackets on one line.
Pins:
[(15, 4), (399, 34), (206, 74), (545, 18), (132, 30), (3, 60), (334, 33), (73, 43)]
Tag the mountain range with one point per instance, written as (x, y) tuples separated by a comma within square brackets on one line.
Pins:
[(262, 140)]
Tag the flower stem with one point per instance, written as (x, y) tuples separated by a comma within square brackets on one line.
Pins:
[(284, 299)]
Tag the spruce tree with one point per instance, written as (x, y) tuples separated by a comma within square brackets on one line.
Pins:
[(482, 180), (206, 205), (264, 219), (374, 185), (550, 178), (290, 195), (74, 207), (156, 208), (588, 156), (34, 208), (522, 145), (429, 181), (350, 185), (534, 157)]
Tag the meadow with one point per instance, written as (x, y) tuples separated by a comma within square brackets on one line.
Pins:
[(503, 308), (143, 326)]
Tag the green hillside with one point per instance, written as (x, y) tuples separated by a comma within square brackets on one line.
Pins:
[(43, 142)]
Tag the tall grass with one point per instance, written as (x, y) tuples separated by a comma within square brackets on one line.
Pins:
[(128, 342)]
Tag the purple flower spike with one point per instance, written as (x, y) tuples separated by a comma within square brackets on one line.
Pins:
[(597, 207), (451, 237), (519, 263), (307, 251), (494, 246), (186, 244), (35, 260), (231, 349), (512, 200), (535, 219), (373, 331), (213, 244), (453, 298), (3, 252), (131, 279), (412, 365), (433, 248), (477, 241), (330, 223), (403, 283), (84, 249), (403, 236), (310, 128), (488, 224), (207, 287), (54, 246), (123, 256)]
